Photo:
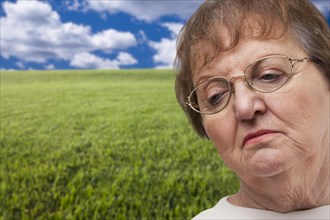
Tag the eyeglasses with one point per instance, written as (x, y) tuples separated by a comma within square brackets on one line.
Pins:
[(265, 75)]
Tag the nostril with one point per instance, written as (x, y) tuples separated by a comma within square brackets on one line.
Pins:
[(248, 103)]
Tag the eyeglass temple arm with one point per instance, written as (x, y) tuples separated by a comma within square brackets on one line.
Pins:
[(294, 61), (192, 104)]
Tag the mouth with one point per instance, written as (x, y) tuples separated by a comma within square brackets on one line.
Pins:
[(258, 136)]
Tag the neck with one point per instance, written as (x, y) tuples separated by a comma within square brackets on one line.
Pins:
[(302, 187)]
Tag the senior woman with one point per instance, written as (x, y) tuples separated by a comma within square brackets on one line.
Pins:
[(253, 78)]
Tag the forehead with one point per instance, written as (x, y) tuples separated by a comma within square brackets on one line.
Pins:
[(221, 38), (235, 60)]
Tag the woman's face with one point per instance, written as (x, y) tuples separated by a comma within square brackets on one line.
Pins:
[(264, 134)]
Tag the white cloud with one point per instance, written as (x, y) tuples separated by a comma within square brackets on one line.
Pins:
[(50, 67), (126, 59), (174, 28), (74, 5), (166, 48), (90, 61), (20, 65), (33, 32), (152, 10), (142, 37), (146, 10), (165, 52), (4, 69), (112, 39)]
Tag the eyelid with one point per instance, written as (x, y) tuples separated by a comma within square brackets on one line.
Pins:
[(202, 79), (213, 90), (213, 72), (268, 71), (205, 75)]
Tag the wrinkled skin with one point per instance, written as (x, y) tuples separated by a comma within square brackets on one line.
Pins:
[(287, 168)]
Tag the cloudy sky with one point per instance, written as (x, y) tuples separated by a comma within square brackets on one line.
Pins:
[(94, 34)]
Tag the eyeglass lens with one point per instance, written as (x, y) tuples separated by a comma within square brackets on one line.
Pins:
[(264, 75)]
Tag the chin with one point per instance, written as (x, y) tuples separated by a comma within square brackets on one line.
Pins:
[(267, 162)]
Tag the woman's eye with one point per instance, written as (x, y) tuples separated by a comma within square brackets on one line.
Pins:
[(213, 93), (216, 97), (270, 76)]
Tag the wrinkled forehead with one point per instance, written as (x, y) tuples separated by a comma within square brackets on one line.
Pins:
[(224, 39)]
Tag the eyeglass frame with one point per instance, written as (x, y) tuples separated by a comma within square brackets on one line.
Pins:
[(231, 86)]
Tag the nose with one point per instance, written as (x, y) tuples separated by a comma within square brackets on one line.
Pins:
[(248, 103)]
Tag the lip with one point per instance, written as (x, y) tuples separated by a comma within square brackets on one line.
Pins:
[(257, 136)]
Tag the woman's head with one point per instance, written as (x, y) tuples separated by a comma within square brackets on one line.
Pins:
[(219, 26)]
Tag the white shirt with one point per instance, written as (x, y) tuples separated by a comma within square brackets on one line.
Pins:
[(224, 210)]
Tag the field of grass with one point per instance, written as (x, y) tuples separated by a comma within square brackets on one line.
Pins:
[(102, 145)]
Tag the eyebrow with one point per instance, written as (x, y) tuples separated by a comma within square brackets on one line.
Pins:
[(197, 79), (214, 72)]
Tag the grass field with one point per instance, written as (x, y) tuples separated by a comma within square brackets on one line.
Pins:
[(102, 145)]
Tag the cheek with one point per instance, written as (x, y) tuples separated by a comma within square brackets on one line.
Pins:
[(314, 117), (221, 131), (305, 114)]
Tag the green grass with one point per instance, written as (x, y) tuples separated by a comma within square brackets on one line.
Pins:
[(102, 145)]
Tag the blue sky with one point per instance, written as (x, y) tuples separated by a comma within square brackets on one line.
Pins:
[(94, 34)]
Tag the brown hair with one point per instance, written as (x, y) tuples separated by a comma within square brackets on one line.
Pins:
[(206, 33)]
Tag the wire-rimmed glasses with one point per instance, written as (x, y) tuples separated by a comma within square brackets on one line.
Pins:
[(265, 75)]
